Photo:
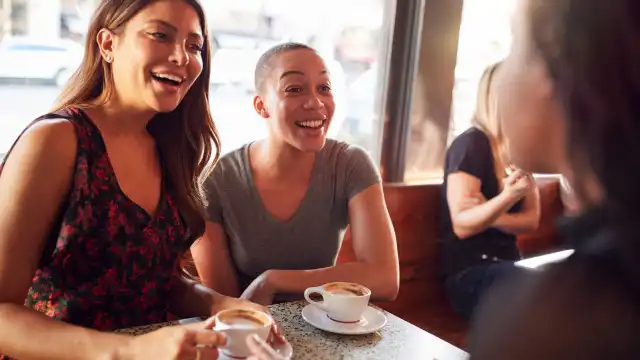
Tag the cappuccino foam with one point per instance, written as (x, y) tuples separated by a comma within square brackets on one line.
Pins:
[(244, 322), (242, 319), (346, 289)]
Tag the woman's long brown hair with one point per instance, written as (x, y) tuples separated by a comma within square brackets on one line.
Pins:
[(186, 137)]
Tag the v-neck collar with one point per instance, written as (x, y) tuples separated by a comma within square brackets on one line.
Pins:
[(259, 202), (114, 179)]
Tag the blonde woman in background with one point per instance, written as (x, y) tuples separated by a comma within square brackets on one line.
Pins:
[(485, 204)]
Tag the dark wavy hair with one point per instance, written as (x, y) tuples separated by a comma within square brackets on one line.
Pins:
[(591, 49), (186, 137)]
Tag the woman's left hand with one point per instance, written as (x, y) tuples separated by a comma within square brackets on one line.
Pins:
[(259, 291)]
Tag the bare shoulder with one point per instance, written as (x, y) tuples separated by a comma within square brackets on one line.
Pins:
[(570, 311), (49, 136), (48, 145), (55, 131)]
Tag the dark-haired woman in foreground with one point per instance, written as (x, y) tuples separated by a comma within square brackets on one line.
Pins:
[(278, 207), (570, 92), (99, 199)]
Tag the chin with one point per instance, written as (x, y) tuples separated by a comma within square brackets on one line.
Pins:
[(309, 145), (164, 106)]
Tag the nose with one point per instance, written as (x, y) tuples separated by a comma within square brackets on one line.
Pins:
[(179, 56), (314, 102)]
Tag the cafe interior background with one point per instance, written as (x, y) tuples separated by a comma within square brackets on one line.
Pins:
[(41, 42), (404, 74)]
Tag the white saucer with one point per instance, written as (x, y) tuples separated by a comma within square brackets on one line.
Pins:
[(372, 320), (286, 350)]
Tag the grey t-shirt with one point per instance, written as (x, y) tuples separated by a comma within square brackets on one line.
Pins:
[(311, 238)]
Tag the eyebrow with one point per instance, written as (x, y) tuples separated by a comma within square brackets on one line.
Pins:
[(174, 28), (297, 72)]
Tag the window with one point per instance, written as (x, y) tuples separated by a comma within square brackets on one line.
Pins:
[(485, 38), (445, 89), (348, 35)]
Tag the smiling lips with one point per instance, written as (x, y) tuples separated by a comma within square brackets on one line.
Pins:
[(311, 124), (169, 79)]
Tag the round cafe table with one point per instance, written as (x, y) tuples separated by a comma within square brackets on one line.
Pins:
[(398, 339)]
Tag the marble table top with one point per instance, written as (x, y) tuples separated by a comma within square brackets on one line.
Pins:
[(398, 339)]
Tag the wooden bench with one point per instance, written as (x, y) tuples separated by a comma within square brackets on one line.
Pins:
[(415, 213)]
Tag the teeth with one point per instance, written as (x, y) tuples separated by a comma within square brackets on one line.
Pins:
[(171, 77), (311, 123)]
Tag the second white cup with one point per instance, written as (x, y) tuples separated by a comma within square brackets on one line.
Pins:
[(342, 301)]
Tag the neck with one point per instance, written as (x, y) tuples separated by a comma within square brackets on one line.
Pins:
[(116, 117), (277, 158)]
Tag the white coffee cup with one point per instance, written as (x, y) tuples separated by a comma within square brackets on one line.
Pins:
[(343, 302), (238, 324)]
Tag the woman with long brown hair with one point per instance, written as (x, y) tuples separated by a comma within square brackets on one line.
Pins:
[(570, 92), (485, 204), (99, 198)]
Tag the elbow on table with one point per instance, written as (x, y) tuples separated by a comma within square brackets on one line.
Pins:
[(391, 293), (531, 227), (388, 290)]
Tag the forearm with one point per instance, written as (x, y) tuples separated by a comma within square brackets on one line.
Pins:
[(474, 220), (517, 223), (526, 220), (382, 281), (26, 334), (191, 299), (221, 279)]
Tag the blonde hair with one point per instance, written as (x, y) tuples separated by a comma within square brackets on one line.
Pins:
[(487, 118)]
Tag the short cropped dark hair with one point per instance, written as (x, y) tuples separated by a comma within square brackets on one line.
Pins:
[(264, 63)]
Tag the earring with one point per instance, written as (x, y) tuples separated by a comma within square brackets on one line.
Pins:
[(107, 58)]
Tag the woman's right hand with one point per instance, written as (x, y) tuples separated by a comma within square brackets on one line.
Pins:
[(183, 342), (518, 184)]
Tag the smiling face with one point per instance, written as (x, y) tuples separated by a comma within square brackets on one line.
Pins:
[(155, 57), (296, 99)]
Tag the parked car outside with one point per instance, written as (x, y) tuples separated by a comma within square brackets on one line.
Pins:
[(25, 58)]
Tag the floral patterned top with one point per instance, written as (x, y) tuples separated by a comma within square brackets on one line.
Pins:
[(107, 263)]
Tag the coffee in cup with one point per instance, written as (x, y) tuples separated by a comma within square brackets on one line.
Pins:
[(238, 324), (343, 302)]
